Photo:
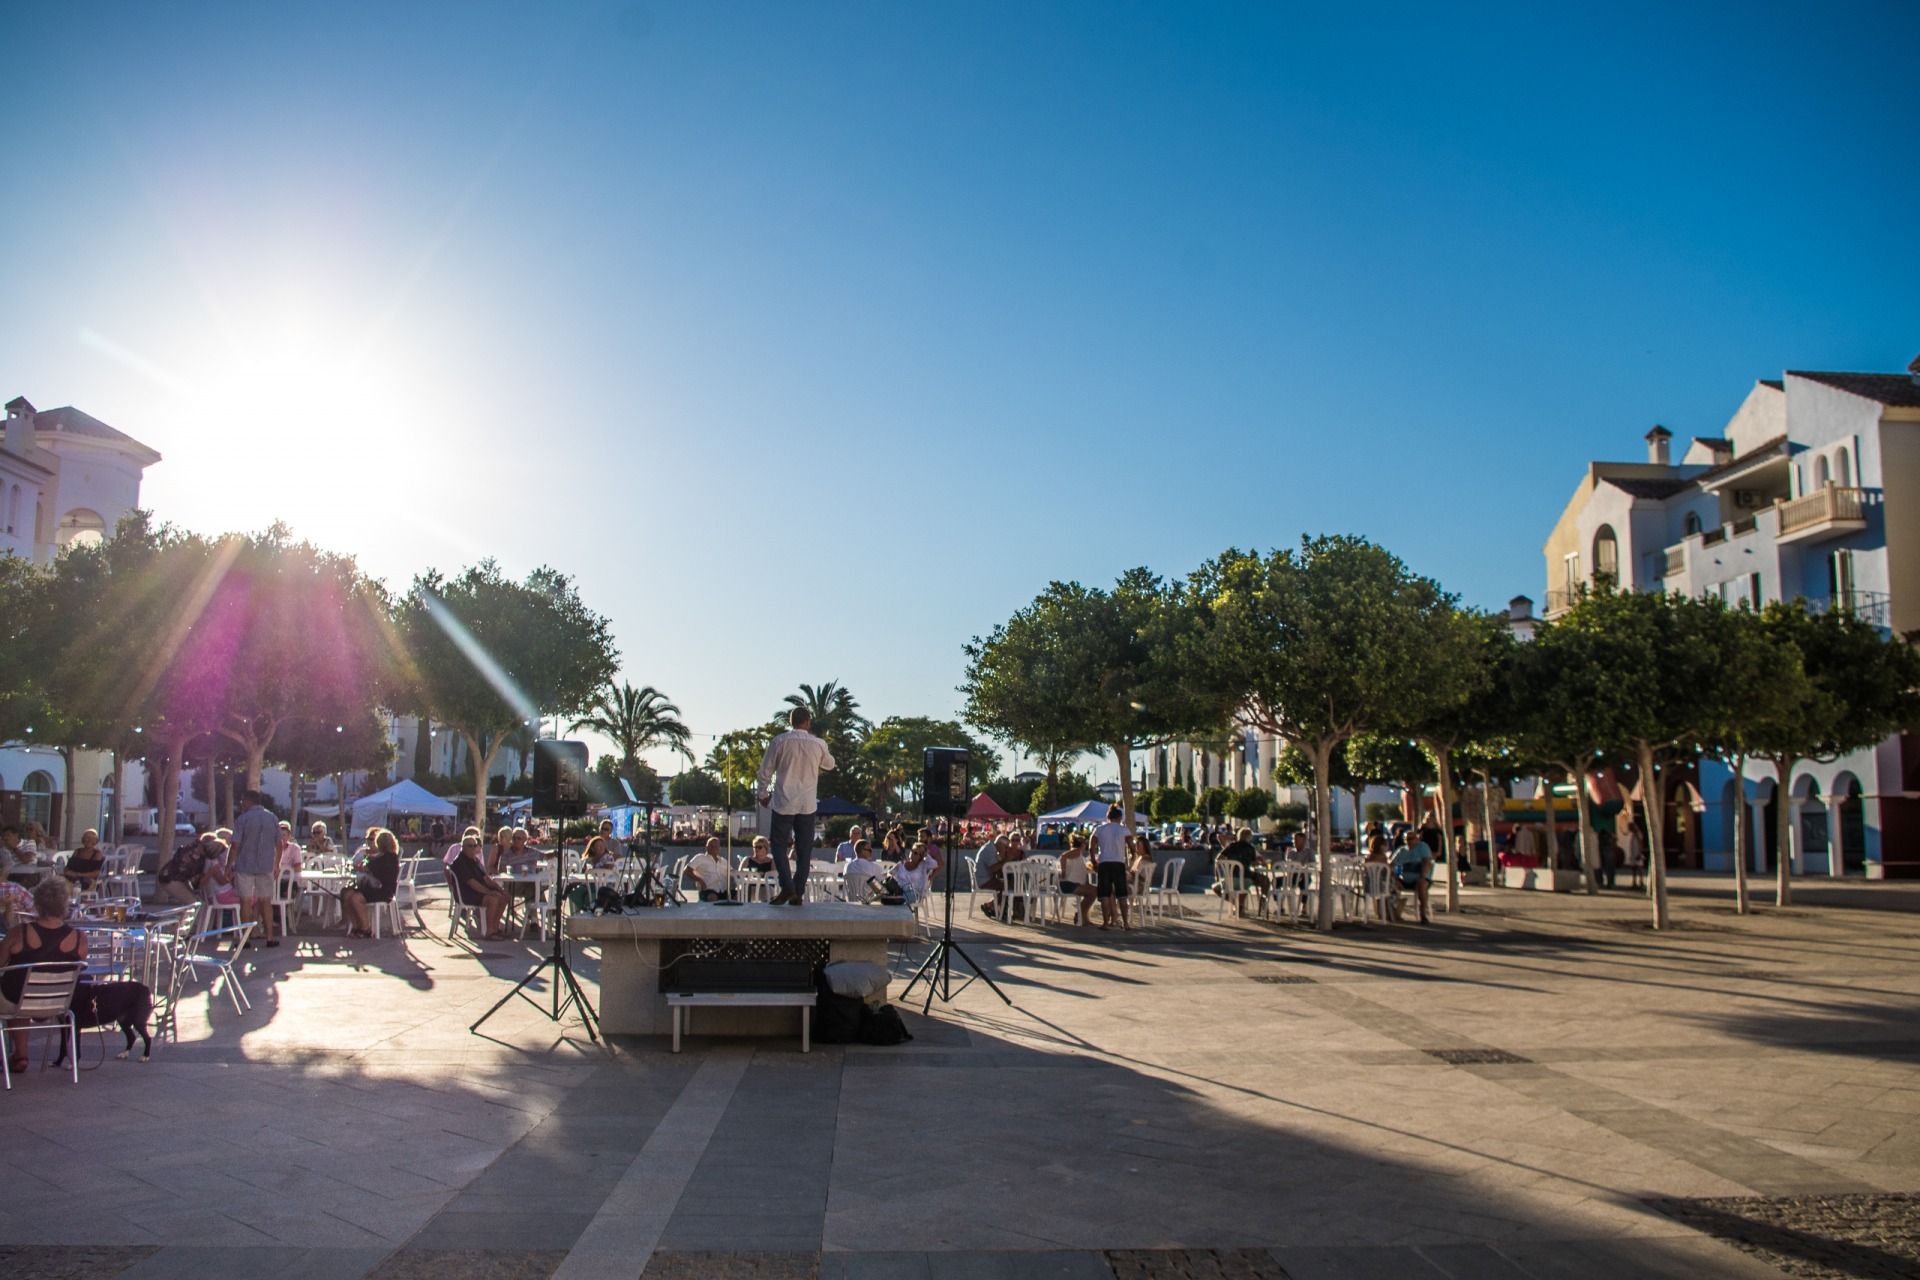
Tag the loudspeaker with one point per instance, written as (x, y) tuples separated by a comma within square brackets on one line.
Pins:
[(559, 779), (943, 789)]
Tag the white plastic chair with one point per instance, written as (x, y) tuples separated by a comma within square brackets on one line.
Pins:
[(286, 901), (973, 880), (45, 1004), (1230, 882), (407, 897), (1376, 887), (456, 909), (1164, 896)]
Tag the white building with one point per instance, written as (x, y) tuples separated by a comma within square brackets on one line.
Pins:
[(65, 477), (1812, 490)]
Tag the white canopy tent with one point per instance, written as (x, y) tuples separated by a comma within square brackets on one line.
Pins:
[(406, 799)]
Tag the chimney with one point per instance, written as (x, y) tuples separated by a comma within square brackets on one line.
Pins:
[(1520, 609), (20, 426), (1657, 442)]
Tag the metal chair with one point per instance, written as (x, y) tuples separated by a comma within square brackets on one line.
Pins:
[(198, 953), (45, 1004)]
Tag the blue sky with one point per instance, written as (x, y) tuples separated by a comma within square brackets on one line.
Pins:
[(814, 339)]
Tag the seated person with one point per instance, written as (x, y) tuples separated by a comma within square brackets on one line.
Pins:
[(862, 872), (915, 874), (1076, 875), (318, 841), (475, 888), (1008, 848), (45, 939), (844, 853), (601, 850), (759, 858), (1241, 850), (1413, 869), (497, 851), (379, 876), (216, 881), (453, 850), (85, 864), (711, 872), (287, 855), (521, 851)]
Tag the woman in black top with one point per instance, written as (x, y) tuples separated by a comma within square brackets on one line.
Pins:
[(378, 877), (85, 864), (47, 939)]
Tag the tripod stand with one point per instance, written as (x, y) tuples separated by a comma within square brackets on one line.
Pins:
[(561, 961), (937, 968)]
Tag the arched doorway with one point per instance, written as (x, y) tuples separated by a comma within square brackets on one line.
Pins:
[(1734, 818), (1851, 829), (1766, 821), (1606, 556), (1812, 828), (36, 800)]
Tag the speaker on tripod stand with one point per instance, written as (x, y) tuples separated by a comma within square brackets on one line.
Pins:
[(943, 793), (559, 793)]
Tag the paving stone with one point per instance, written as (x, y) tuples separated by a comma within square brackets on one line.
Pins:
[(185, 1262), (1369, 1262), (69, 1262), (746, 1265), (469, 1264), (1817, 1236), (1195, 1264)]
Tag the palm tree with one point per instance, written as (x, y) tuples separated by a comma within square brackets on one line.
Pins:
[(637, 719), (836, 716)]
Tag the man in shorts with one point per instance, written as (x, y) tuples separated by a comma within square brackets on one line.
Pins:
[(1110, 868), (256, 835)]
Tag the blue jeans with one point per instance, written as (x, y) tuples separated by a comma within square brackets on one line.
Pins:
[(797, 827)]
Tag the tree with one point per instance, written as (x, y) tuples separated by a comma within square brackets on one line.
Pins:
[(1082, 665), (610, 771), (1860, 687), (697, 787), (735, 760), (1643, 669), (1172, 804), (1249, 805), (1215, 801), (636, 719), (1318, 644), (893, 754), (315, 748), (485, 654), (1760, 686), (1387, 759), (1468, 653), (1014, 797), (1294, 768)]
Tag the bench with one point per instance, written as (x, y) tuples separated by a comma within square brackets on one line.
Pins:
[(681, 1001)]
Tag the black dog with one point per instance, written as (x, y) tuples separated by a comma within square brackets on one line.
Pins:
[(102, 1004)]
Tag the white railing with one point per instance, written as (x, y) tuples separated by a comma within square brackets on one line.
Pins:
[(1822, 506)]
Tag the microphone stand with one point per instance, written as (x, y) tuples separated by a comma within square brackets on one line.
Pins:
[(561, 960)]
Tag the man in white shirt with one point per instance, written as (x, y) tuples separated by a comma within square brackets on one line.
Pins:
[(1110, 867), (789, 780), (861, 872), (711, 872), (845, 852)]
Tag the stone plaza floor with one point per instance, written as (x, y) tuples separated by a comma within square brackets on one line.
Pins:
[(1537, 1086)]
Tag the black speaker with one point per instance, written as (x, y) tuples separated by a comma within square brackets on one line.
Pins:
[(943, 790), (559, 779)]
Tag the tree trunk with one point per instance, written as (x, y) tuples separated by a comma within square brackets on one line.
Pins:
[(1652, 804), (1486, 809), (169, 798), (423, 748), (1583, 807), (1123, 751), (69, 802), (1443, 768), (1739, 764), (256, 764), (1358, 826), (1783, 826), (1323, 833), (482, 767), (1553, 828)]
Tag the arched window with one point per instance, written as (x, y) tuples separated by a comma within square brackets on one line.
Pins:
[(81, 528), (1606, 555), (36, 799), (1822, 477), (1842, 468), (1693, 523)]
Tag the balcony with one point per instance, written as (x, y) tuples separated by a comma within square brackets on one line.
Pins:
[(1673, 561), (1824, 513), (1873, 607), (1558, 602)]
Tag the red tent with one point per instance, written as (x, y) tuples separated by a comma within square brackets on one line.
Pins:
[(983, 809)]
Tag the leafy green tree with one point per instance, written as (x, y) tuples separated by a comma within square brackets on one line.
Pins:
[(894, 755), (1086, 666), (1318, 644), (1861, 686), (1068, 788), (1014, 797), (1215, 801), (485, 654), (735, 759), (313, 748), (636, 719), (1387, 759), (1760, 686), (1249, 805), (1647, 664), (1172, 804), (1467, 658), (610, 771), (697, 787)]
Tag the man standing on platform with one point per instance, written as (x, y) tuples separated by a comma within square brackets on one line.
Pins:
[(795, 759)]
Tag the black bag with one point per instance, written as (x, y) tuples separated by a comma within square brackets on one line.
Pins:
[(889, 893), (608, 902), (837, 1019), (882, 1025)]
